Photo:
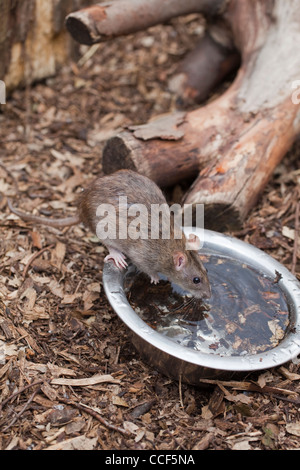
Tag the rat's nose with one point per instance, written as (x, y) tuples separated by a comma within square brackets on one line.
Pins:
[(207, 292)]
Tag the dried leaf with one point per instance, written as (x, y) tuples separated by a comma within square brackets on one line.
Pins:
[(89, 298), (119, 401), (36, 240), (288, 233), (56, 289), (58, 254), (204, 443), (74, 427), (265, 378), (139, 435), (271, 435), (242, 445), (293, 428), (76, 443), (31, 295), (239, 398), (261, 380), (7, 350), (277, 331), (131, 427), (70, 298), (289, 375), (165, 128), (13, 443), (206, 413)]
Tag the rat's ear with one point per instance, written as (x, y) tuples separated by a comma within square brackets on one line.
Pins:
[(193, 242), (179, 260)]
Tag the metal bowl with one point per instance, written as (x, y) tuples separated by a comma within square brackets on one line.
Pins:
[(186, 364)]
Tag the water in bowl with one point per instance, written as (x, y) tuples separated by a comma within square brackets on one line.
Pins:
[(246, 314)]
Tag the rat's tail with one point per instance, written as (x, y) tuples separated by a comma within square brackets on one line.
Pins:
[(57, 223)]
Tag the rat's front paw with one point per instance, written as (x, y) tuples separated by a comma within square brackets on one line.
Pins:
[(117, 257), (154, 279)]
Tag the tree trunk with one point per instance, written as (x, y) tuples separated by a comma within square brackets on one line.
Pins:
[(33, 40)]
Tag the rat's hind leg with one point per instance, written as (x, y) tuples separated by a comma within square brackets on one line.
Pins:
[(117, 256)]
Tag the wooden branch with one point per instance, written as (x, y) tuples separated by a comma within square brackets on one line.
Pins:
[(104, 21), (152, 158), (205, 67)]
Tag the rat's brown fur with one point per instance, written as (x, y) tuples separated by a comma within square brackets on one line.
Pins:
[(151, 256)]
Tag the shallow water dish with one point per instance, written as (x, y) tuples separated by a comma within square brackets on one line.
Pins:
[(190, 365)]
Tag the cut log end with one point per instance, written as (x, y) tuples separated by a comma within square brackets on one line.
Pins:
[(152, 158), (80, 31)]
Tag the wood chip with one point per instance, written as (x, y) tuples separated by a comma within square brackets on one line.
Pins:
[(96, 379)]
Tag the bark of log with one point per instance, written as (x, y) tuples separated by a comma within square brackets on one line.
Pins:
[(235, 142), (104, 21), (165, 162)]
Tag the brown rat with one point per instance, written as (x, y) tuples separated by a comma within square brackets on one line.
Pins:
[(109, 205)]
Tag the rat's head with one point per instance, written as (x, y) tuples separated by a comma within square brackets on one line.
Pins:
[(190, 273)]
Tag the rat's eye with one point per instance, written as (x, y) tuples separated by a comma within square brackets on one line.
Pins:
[(196, 280)]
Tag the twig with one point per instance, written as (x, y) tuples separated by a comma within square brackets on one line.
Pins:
[(14, 395), (88, 55), (252, 387), (34, 256), (22, 410), (180, 392), (28, 102), (117, 355), (95, 415), (175, 440), (277, 278), (288, 400), (295, 252)]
